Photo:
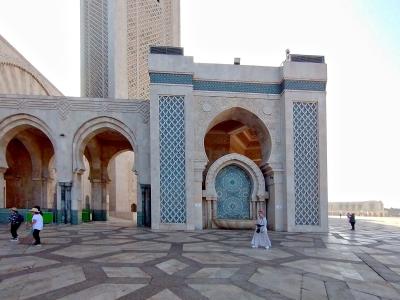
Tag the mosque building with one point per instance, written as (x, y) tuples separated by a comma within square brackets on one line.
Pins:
[(160, 139)]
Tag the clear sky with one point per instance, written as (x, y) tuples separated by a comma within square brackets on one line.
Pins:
[(360, 40)]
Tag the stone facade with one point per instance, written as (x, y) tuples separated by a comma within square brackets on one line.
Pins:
[(215, 144), (116, 36), (274, 115), (66, 130)]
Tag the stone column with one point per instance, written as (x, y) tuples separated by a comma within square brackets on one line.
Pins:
[(99, 198), (76, 202), (50, 193), (144, 216), (65, 191), (276, 206), (2, 188), (197, 193), (98, 214), (37, 192), (214, 208), (209, 213), (253, 209), (105, 198), (44, 202)]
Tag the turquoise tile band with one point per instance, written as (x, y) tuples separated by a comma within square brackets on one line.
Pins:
[(239, 87)]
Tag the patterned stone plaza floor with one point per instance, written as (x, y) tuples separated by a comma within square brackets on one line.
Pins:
[(116, 261)]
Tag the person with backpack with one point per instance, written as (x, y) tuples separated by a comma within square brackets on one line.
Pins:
[(15, 219)]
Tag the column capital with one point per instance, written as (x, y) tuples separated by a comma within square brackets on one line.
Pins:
[(79, 171), (99, 180), (270, 168), (199, 165), (66, 184)]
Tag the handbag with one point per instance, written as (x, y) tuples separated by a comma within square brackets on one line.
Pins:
[(258, 230)]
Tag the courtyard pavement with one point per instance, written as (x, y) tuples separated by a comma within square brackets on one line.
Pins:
[(115, 261)]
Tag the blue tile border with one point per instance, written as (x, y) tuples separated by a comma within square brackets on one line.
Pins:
[(238, 86), (170, 78), (304, 85)]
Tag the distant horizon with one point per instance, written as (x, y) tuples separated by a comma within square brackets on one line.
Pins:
[(329, 201)]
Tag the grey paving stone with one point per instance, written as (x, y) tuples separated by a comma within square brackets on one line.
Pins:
[(214, 273), (33, 284), (9, 265), (223, 292), (338, 291), (105, 261), (106, 291), (130, 272), (165, 295), (279, 280)]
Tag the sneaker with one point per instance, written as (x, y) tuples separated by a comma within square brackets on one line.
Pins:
[(14, 239), (252, 246), (267, 247)]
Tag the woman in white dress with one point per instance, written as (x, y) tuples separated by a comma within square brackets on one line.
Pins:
[(260, 237)]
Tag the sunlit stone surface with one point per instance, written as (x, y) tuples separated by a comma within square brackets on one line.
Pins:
[(219, 264)]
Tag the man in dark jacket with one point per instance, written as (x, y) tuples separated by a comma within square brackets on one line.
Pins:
[(352, 220), (15, 220)]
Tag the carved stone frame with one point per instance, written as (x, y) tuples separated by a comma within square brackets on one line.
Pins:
[(258, 195)]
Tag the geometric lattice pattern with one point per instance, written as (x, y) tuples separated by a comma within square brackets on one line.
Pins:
[(150, 23), (306, 163), (233, 187), (95, 48), (172, 160)]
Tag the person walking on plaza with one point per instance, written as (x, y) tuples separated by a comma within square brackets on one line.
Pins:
[(260, 237), (15, 219), (352, 220), (37, 225)]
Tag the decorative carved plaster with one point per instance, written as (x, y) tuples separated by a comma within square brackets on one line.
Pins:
[(12, 125), (65, 106)]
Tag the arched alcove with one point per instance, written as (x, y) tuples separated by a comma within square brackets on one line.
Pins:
[(96, 146), (26, 153), (212, 196), (237, 130)]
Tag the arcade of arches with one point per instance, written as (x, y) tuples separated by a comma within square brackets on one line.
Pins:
[(108, 182)]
